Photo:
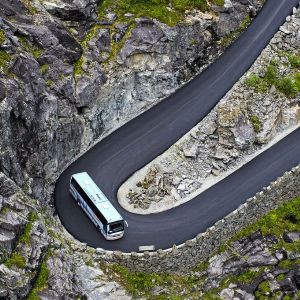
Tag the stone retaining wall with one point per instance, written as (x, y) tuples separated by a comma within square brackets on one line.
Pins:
[(183, 258)]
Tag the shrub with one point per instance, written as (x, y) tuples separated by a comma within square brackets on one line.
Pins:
[(17, 260), (40, 283), (219, 2), (256, 123)]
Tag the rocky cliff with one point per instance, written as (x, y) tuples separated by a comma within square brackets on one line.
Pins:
[(260, 109), (71, 72)]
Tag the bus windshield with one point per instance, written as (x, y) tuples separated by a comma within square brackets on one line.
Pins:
[(115, 227)]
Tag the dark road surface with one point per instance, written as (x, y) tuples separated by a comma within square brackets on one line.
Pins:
[(132, 146)]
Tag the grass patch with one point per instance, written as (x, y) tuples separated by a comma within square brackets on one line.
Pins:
[(256, 123), (294, 60), (289, 264), (25, 237), (247, 276), (168, 12), (28, 4), (41, 281), (289, 85), (34, 49), (17, 260), (285, 218), (44, 69), (219, 2), (5, 59), (263, 290), (140, 284), (2, 37)]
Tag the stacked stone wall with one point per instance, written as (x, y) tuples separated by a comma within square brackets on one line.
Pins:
[(184, 257)]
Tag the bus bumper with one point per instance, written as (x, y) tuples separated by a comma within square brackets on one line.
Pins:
[(114, 237)]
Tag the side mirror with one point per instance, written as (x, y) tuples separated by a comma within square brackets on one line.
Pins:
[(126, 223)]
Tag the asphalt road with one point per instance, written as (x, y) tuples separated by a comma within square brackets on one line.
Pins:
[(132, 146)]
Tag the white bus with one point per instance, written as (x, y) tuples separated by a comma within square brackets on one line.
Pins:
[(95, 204)]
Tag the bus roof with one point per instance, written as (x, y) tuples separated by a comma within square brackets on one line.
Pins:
[(96, 195)]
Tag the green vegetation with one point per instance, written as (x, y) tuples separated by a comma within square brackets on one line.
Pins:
[(2, 37), (157, 9), (44, 69), (41, 281), (289, 84), (34, 49), (294, 60), (5, 58), (286, 264), (84, 43), (78, 71), (280, 277), (25, 237), (219, 2), (28, 4), (140, 284), (227, 40), (285, 218), (256, 123), (263, 289), (17, 260), (117, 46)]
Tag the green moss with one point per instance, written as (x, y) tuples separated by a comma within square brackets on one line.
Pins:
[(44, 69), (219, 2), (49, 83), (28, 4), (280, 277), (141, 284), (263, 290), (256, 123), (30, 47), (17, 260), (78, 71), (264, 287), (286, 264), (91, 34), (157, 9), (285, 218), (227, 40), (183, 5), (40, 283), (289, 85), (117, 46), (247, 276), (5, 59), (2, 37), (25, 237), (294, 60)]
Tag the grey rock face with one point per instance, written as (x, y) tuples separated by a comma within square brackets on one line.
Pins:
[(243, 123), (74, 10), (26, 247), (58, 96), (291, 237)]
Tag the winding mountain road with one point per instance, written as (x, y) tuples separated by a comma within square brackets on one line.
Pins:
[(129, 148)]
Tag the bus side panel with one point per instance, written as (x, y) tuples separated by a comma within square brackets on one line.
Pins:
[(91, 215), (73, 192)]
